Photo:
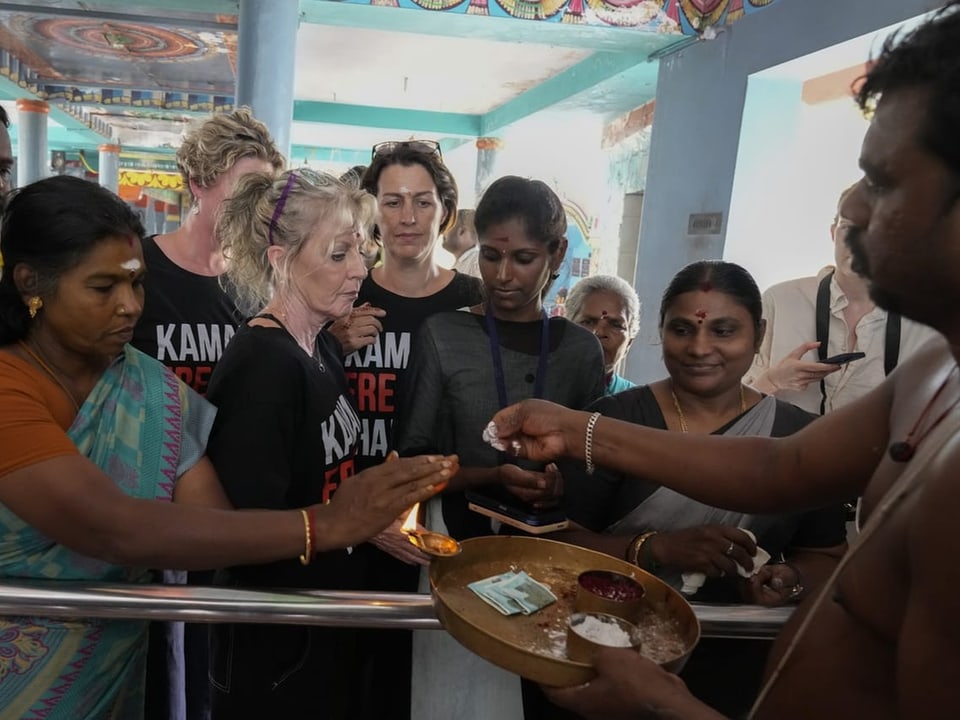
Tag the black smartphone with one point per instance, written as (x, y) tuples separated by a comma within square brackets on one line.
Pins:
[(502, 505), (843, 358)]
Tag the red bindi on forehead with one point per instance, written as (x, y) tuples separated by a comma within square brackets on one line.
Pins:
[(701, 315), (706, 286)]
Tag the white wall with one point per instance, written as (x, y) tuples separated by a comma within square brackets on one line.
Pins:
[(788, 181), (701, 92)]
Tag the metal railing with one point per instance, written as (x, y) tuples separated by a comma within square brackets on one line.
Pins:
[(300, 607)]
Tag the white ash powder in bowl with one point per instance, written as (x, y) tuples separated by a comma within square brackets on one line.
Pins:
[(602, 629)]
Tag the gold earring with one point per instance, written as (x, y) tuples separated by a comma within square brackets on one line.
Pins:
[(33, 305)]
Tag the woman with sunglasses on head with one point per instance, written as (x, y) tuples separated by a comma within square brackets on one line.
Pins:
[(102, 467), (466, 365), (286, 431), (417, 201)]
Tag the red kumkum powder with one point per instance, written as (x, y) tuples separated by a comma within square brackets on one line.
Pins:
[(611, 586)]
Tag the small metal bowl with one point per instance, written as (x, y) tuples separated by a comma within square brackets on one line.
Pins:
[(588, 633), (613, 593)]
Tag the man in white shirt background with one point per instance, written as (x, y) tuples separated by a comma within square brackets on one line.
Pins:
[(461, 242), (788, 362)]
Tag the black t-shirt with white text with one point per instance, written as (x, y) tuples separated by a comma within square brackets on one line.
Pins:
[(187, 318), (375, 373), (284, 438)]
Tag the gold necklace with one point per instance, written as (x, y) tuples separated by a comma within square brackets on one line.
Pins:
[(683, 419), (36, 357)]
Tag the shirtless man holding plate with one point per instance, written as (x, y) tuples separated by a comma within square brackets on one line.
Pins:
[(883, 639)]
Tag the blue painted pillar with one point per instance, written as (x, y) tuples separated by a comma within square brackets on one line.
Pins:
[(109, 167), (266, 49), (488, 150), (33, 159)]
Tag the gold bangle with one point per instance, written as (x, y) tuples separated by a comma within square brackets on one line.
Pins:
[(638, 547), (308, 546), (631, 549)]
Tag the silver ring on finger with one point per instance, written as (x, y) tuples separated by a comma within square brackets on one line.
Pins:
[(729, 551)]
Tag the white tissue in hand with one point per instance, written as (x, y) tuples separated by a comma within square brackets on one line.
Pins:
[(692, 582), (491, 438), (759, 559)]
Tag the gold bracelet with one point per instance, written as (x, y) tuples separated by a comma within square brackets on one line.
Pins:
[(308, 547), (638, 547)]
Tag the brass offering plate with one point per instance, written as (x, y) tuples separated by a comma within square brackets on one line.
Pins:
[(534, 646)]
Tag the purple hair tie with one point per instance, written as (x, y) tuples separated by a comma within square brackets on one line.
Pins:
[(278, 210)]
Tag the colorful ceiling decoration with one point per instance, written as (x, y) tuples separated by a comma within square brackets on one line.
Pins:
[(152, 57), (695, 16), (690, 17), (648, 15), (120, 40)]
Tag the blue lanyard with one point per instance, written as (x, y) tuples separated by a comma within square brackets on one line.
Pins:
[(494, 337)]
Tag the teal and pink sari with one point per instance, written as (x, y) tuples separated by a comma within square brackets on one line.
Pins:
[(143, 428)]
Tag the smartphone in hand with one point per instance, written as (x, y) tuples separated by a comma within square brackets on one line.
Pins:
[(843, 358), (499, 504)]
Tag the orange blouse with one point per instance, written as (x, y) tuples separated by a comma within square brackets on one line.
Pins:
[(34, 416)]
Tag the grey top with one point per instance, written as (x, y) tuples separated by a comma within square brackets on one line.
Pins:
[(451, 391)]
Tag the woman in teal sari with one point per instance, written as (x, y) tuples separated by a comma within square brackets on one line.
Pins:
[(102, 466)]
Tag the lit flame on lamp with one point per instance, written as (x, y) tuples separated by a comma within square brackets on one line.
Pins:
[(410, 523)]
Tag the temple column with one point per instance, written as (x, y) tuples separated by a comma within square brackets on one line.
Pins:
[(488, 150), (109, 167), (266, 60), (33, 159)]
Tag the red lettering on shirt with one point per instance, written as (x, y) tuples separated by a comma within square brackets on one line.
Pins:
[(373, 391), (336, 475), (196, 377)]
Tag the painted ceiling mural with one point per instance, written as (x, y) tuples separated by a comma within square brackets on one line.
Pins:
[(80, 61), (83, 63), (690, 17)]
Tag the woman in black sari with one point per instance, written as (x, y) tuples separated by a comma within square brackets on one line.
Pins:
[(711, 327)]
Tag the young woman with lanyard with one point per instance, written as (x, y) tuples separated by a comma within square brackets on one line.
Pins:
[(466, 365)]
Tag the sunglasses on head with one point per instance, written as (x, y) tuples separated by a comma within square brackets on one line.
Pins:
[(429, 147)]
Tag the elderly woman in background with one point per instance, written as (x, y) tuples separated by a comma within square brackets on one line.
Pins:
[(607, 306), (102, 471), (711, 326)]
